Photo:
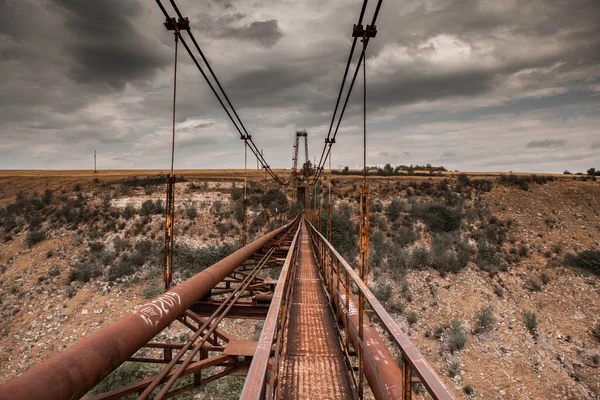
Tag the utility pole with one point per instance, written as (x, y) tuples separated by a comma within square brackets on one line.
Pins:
[(95, 170)]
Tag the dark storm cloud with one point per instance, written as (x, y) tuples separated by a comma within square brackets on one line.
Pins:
[(80, 75), (265, 33), (109, 50), (546, 143)]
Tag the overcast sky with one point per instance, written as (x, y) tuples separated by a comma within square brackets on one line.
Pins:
[(471, 85)]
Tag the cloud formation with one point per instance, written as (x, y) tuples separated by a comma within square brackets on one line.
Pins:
[(454, 82), (546, 143)]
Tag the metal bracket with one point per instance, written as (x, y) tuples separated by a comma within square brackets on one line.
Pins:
[(359, 32), (183, 24)]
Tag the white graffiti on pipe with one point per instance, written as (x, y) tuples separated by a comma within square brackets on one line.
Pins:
[(153, 311)]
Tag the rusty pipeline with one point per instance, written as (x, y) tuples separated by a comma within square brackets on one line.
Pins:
[(380, 366), (72, 373)]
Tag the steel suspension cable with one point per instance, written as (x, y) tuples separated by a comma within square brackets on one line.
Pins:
[(243, 135), (348, 63), (329, 143)]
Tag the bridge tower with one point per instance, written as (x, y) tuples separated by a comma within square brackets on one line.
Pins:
[(299, 177)]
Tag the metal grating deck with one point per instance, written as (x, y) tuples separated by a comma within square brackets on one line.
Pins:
[(313, 366)]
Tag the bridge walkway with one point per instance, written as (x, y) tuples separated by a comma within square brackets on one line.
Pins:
[(313, 366)]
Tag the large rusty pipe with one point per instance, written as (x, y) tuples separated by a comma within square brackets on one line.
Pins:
[(72, 373), (381, 370)]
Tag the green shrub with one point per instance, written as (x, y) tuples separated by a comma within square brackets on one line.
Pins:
[(468, 390), (395, 208), (437, 217), (34, 237), (236, 194), (485, 319), (404, 236), (120, 244), (398, 260), (596, 330), (412, 318), (152, 290), (533, 285), (84, 272), (128, 211), (344, 233), (454, 367), (458, 336), (587, 259), (488, 256), (147, 208), (420, 258), (530, 321), (35, 221), (217, 206), (190, 260), (9, 222), (127, 373), (224, 228), (122, 268), (191, 212), (384, 292), (523, 250)]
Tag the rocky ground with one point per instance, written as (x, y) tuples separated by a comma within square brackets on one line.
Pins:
[(44, 306)]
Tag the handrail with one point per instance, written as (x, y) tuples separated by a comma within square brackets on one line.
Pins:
[(73, 372), (254, 387), (432, 382)]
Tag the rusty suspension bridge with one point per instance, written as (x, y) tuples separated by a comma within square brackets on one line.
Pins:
[(325, 335)]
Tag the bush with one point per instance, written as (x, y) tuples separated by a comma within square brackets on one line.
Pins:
[(191, 212), (344, 233), (454, 367), (596, 330), (147, 208), (236, 194), (488, 257), (533, 285), (458, 336), (412, 318), (224, 228), (384, 292), (588, 259), (530, 321), (396, 207), (152, 290), (190, 260), (468, 390), (122, 268), (9, 222), (437, 217), (120, 244), (128, 211), (34, 237), (398, 260), (404, 236), (485, 319), (127, 373), (420, 258), (84, 272), (523, 250)]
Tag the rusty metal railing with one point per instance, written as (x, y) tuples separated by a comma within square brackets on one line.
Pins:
[(340, 279), (73, 372), (270, 346)]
